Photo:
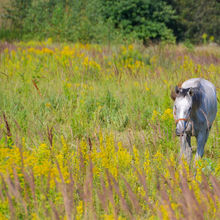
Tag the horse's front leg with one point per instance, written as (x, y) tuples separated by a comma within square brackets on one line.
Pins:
[(201, 141), (186, 149)]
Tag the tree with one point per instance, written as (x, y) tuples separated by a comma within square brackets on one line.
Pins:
[(147, 19), (196, 18)]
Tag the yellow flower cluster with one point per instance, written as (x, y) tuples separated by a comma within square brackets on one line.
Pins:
[(154, 115), (188, 65), (133, 66), (89, 63), (125, 50), (43, 51), (27, 57), (167, 115), (108, 155)]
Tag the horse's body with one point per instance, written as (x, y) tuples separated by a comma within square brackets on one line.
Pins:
[(195, 109)]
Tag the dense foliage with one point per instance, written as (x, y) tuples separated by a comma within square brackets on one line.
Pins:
[(143, 18), (87, 132), (113, 20), (197, 20)]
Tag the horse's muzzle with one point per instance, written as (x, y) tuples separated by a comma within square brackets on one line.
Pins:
[(177, 133), (181, 127)]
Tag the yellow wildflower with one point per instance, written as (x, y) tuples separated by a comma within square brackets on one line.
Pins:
[(154, 115), (168, 114)]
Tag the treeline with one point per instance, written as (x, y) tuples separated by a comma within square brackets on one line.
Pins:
[(112, 20)]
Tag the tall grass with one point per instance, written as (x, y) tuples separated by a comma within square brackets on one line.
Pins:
[(86, 131)]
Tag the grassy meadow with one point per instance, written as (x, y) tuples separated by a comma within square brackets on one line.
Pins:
[(87, 132)]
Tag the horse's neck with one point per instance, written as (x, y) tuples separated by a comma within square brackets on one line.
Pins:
[(197, 99)]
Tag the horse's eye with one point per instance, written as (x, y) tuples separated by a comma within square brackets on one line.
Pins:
[(190, 109)]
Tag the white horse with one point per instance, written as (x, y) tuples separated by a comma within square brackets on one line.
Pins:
[(194, 111)]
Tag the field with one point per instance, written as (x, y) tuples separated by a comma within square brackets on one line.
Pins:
[(87, 132)]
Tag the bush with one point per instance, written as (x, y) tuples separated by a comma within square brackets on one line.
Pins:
[(146, 19), (92, 21), (196, 18)]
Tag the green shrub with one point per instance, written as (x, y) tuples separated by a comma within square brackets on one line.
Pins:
[(92, 21)]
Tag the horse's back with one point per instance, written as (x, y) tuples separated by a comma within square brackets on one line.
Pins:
[(204, 85), (198, 83)]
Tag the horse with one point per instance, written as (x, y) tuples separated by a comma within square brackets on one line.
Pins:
[(194, 110)]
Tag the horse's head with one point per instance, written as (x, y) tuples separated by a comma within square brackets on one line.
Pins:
[(183, 100)]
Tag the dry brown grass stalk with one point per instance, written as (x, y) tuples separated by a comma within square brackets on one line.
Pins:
[(48, 182), (36, 87), (29, 181), (205, 189), (82, 162), (1, 193), (142, 180), (4, 74), (166, 201), (26, 194), (8, 130), (33, 188), (123, 203), (50, 136), (103, 195), (17, 125), (15, 190), (143, 138), (10, 202), (217, 131), (88, 191), (116, 69), (46, 192), (111, 195), (132, 196), (71, 188), (189, 206), (193, 209), (67, 204), (55, 212), (154, 135), (216, 185), (90, 144), (168, 184)]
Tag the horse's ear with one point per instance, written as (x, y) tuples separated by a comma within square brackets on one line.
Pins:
[(177, 90), (191, 92), (174, 93)]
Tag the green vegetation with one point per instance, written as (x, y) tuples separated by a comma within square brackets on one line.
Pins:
[(86, 131), (102, 21), (86, 122)]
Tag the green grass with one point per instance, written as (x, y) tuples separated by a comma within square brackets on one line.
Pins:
[(77, 100)]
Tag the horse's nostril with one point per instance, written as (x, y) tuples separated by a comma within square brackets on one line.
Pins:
[(177, 132)]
